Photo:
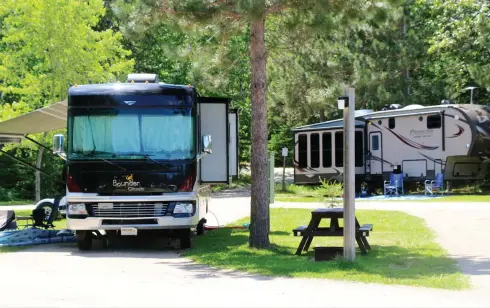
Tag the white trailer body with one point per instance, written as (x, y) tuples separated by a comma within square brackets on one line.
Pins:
[(419, 141)]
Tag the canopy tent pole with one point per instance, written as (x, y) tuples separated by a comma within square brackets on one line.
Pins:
[(29, 165), (39, 144)]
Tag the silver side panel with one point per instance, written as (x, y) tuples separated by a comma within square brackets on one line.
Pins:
[(214, 122), (233, 143)]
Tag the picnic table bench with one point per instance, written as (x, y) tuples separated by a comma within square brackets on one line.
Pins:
[(334, 214)]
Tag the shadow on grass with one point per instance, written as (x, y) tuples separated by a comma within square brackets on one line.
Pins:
[(229, 249)]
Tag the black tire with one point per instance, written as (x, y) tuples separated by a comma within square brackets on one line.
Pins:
[(185, 239), (200, 227), (49, 212), (84, 240)]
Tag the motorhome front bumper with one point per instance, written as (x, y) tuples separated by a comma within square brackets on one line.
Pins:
[(107, 223), (92, 212)]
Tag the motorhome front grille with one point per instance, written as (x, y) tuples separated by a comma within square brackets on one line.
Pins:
[(129, 210)]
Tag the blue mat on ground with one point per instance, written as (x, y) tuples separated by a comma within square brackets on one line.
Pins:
[(402, 197), (35, 236)]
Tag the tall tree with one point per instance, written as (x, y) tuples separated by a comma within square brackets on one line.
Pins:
[(47, 45), (225, 17)]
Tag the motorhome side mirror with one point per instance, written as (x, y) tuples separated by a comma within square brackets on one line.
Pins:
[(58, 144), (207, 146)]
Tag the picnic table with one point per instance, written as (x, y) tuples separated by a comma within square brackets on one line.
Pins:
[(334, 214)]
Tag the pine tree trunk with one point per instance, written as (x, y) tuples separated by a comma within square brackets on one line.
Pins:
[(322, 115), (259, 221), (38, 174)]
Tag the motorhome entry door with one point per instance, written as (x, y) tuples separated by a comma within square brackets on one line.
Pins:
[(375, 147)]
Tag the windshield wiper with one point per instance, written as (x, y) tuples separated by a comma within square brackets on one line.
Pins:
[(147, 156), (92, 155)]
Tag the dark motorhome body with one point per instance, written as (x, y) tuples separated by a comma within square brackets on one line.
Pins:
[(419, 141), (138, 155)]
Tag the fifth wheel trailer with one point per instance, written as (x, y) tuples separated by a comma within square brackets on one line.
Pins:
[(419, 141), (140, 155)]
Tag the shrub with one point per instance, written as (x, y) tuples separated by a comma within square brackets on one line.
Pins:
[(332, 193)]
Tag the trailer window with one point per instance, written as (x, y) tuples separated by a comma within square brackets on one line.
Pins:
[(315, 150), (327, 150), (359, 149), (434, 121), (375, 142), (339, 149), (391, 123), (302, 151)]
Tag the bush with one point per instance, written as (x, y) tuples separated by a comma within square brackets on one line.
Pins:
[(331, 192)]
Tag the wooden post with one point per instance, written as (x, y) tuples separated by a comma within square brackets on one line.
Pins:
[(349, 177)]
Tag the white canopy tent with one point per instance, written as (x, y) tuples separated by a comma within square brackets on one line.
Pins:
[(44, 119)]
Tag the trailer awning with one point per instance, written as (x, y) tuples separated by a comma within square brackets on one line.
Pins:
[(45, 119)]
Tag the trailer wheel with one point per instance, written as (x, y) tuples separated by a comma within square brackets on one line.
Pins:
[(84, 240), (185, 239)]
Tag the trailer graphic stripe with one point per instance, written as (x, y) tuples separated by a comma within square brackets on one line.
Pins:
[(411, 143), (437, 161), (407, 141), (459, 133), (376, 158)]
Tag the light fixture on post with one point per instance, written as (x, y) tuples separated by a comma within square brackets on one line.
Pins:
[(342, 102), (471, 93)]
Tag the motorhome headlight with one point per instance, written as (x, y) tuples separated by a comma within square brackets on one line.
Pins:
[(183, 208), (77, 209)]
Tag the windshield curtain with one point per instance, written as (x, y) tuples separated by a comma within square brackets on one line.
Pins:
[(161, 133)]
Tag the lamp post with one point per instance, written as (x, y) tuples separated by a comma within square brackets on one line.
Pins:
[(347, 103), (471, 93)]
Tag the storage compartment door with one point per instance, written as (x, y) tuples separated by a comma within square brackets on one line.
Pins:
[(462, 167), (213, 118), (233, 142)]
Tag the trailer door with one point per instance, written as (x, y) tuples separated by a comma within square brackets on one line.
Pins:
[(376, 158), (214, 121)]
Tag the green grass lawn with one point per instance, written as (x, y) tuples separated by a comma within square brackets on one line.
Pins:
[(403, 252), (16, 202), (58, 224)]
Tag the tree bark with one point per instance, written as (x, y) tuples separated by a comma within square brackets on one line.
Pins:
[(259, 218), (38, 174), (322, 115)]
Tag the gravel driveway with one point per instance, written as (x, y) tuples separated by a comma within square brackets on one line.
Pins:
[(59, 275)]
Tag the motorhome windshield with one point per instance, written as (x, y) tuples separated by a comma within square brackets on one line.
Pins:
[(131, 133)]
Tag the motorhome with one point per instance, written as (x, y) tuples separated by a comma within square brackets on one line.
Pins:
[(418, 141), (140, 155)]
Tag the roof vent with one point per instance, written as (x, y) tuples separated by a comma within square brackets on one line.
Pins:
[(362, 112), (413, 106), (143, 78)]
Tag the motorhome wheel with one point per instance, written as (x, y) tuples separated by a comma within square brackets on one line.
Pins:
[(84, 240), (185, 239)]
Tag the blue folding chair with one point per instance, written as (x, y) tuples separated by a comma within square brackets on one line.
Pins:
[(436, 185), (395, 185)]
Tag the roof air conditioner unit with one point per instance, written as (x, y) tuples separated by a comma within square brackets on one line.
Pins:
[(143, 78)]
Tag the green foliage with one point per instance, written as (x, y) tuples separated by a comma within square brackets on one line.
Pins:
[(332, 193), (393, 51), (45, 46)]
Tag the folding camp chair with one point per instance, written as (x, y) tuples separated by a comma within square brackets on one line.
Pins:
[(395, 185), (436, 185)]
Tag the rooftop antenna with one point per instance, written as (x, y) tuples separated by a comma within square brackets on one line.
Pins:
[(471, 91)]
